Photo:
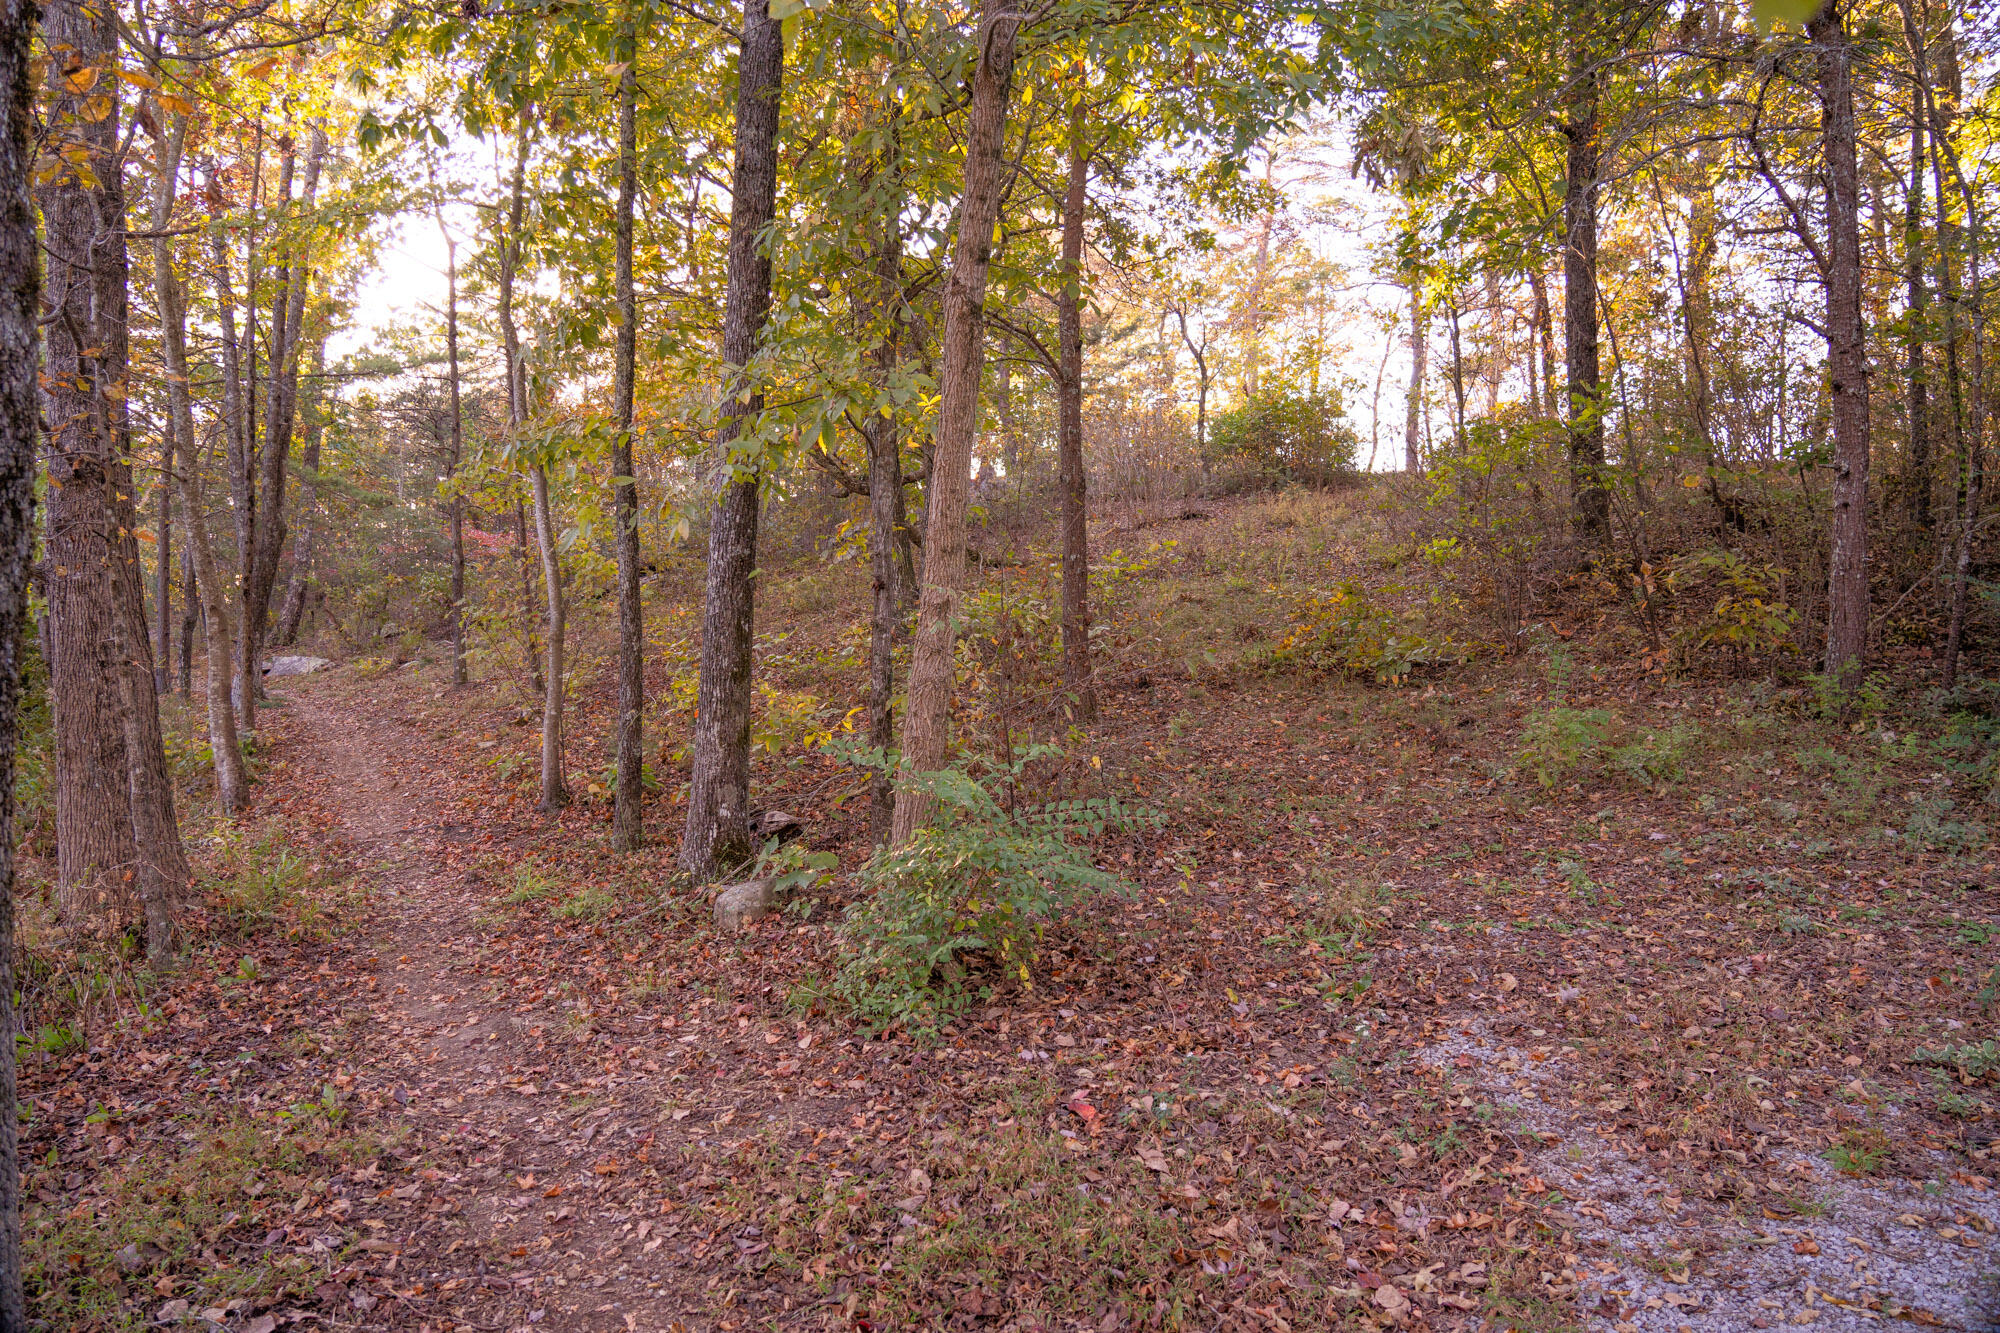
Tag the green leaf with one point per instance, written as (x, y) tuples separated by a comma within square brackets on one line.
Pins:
[(1769, 13)]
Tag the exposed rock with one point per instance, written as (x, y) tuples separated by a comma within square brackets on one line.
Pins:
[(779, 824), (740, 904), (295, 666)]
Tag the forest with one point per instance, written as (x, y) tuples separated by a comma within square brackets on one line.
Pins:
[(1109, 665)]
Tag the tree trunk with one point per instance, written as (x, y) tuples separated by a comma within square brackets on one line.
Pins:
[(166, 177), (1545, 332), (1420, 348), (293, 607), (1917, 462), (555, 788), (1069, 408), (236, 436), (531, 652), (928, 713), (231, 783), (185, 668), (288, 320), (456, 454), (19, 428), (885, 488), (1847, 351), (718, 829), (87, 579), (1590, 500), (627, 817)]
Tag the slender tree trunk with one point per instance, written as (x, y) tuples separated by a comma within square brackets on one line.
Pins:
[(293, 607), (1545, 332), (1457, 372), (718, 828), (627, 816), (19, 429), (531, 651), (231, 783), (166, 177), (281, 414), (1589, 498), (456, 454), (1069, 438), (555, 787), (885, 487), (1420, 348), (928, 714), (1917, 482), (1847, 350), (237, 438), (185, 669)]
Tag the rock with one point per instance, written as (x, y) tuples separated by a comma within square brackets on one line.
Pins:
[(130, 1259), (390, 630), (740, 904), (295, 666), (778, 824)]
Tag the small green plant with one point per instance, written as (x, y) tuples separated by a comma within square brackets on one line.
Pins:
[(1973, 1060), (1655, 757), (1747, 620), (54, 1040), (980, 883), (1959, 1105), (1978, 934), (586, 905), (1860, 1152), (1932, 826), (529, 885), (1560, 742)]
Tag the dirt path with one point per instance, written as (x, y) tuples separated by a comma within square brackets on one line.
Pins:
[(475, 1082)]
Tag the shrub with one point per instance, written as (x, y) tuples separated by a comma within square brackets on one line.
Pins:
[(1287, 436), (983, 879), (1346, 632), (1657, 756), (1748, 619), (1562, 741)]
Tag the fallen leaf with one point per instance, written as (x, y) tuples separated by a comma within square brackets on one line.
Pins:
[(1152, 1157)]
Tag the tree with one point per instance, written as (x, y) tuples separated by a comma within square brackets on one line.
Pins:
[(19, 426), (627, 830), (718, 816), (927, 714)]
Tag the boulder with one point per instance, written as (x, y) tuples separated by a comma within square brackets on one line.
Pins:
[(778, 824), (740, 904), (295, 666)]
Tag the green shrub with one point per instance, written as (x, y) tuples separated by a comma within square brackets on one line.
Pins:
[(1973, 1060), (1747, 619), (1656, 756), (1287, 436), (1559, 742), (982, 880), (1345, 632)]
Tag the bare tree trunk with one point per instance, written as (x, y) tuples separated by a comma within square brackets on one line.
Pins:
[(1917, 481), (1545, 330), (185, 668), (236, 436), (530, 650), (1420, 347), (19, 429), (293, 607), (166, 177), (627, 816), (885, 488), (718, 829), (457, 454), (555, 787), (281, 414), (1589, 498), (1847, 350), (231, 783), (1069, 407), (928, 715)]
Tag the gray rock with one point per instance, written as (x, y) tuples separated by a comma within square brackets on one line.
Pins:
[(740, 904), (779, 824), (295, 666)]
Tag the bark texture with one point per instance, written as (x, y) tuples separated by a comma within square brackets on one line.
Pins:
[(1069, 439), (19, 428), (927, 717), (718, 829), (1590, 501), (1847, 352), (627, 819), (885, 487)]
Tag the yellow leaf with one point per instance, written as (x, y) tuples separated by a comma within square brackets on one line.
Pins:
[(262, 67), (180, 106), (97, 108), (138, 78), (81, 80)]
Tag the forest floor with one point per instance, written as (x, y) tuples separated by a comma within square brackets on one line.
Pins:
[(1392, 1034)]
